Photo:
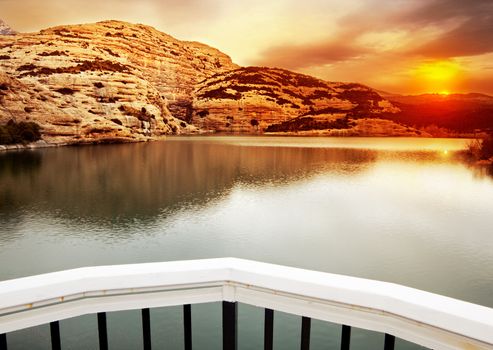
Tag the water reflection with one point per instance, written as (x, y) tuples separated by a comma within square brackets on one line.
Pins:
[(17, 163), (482, 171), (116, 184)]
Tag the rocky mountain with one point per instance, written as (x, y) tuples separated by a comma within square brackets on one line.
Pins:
[(109, 81), (272, 100), (5, 29), (114, 81)]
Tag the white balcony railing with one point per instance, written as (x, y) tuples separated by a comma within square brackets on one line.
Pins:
[(420, 317)]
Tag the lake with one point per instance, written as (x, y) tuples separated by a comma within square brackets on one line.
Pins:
[(402, 210)]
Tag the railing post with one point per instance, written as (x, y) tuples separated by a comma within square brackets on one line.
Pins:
[(3, 341), (389, 342), (55, 336), (305, 333), (146, 328), (102, 331), (345, 337), (187, 326), (230, 321), (269, 329)]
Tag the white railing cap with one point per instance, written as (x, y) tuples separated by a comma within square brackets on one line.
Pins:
[(455, 316)]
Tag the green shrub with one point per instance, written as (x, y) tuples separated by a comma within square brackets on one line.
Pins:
[(23, 132)]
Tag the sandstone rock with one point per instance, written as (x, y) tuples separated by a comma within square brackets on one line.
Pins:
[(109, 81), (259, 99)]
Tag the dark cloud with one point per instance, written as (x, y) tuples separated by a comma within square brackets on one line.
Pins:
[(301, 56), (439, 11), (471, 35), (474, 37)]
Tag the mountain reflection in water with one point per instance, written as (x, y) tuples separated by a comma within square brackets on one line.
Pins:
[(115, 184)]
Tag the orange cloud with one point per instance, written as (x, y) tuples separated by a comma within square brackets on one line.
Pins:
[(312, 54)]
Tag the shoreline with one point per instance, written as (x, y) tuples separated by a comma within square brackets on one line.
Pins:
[(44, 144), (41, 144), (31, 146)]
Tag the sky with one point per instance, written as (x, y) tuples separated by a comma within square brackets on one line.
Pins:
[(399, 46)]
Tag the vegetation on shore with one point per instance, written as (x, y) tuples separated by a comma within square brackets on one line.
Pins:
[(482, 150), (22, 132)]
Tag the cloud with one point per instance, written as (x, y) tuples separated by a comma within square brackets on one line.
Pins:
[(439, 11), (302, 56), (470, 35), (30, 15), (435, 29), (473, 37)]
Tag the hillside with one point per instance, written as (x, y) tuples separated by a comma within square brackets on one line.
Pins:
[(272, 100)]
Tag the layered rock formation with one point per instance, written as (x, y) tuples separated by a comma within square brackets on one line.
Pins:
[(109, 81), (114, 81), (258, 99)]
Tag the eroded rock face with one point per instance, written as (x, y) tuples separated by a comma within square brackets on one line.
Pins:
[(109, 81), (257, 99)]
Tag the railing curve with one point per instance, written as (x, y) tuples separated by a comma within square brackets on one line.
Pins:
[(420, 317)]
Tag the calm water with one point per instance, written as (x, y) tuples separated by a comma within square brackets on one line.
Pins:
[(401, 210)]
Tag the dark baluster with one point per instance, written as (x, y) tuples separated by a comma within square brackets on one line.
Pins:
[(102, 330), (3, 341), (55, 335), (345, 337), (389, 342), (305, 332), (269, 329), (230, 321), (146, 328), (187, 326)]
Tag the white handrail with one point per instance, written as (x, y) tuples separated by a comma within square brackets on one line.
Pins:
[(424, 318)]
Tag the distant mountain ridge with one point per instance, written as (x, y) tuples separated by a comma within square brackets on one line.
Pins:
[(418, 98), (5, 29), (461, 113)]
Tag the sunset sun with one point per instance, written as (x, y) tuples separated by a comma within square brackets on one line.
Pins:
[(438, 77)]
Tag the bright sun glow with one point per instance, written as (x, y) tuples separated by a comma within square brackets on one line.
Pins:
[(439, 71), (438, 77)]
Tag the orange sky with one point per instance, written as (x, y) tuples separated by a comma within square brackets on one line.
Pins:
[(403, 46)]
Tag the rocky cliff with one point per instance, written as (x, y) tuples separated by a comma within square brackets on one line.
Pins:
[(109, 81), (114, 81)]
